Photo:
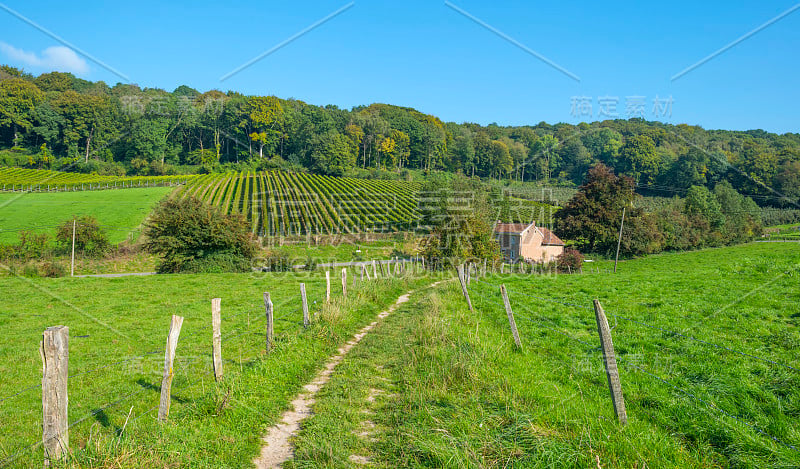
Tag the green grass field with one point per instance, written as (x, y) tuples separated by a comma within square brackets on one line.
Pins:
[(437, 386), (123, 323), (120, 210), (433, 385)]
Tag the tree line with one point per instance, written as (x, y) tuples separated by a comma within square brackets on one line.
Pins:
[(704, 218), (58, 121)]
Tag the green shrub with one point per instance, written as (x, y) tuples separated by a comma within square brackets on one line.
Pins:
[(30, 270), (570, 260), (90, 239), (217, 263), (53, 269), (31, 245), (190, 235), (276, 261), (311, 264)]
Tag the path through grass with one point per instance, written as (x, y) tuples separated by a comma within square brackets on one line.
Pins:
[(437, 386)]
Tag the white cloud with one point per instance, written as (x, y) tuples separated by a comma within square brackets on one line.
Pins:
[(59, 58)]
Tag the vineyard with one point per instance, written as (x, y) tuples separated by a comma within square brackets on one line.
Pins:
[(39, 180), (279, 203)]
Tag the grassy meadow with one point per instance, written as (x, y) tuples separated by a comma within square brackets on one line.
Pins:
[(118, 329), (120, 211), (438, 386)]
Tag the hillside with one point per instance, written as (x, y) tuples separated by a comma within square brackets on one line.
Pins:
[(58, 121)]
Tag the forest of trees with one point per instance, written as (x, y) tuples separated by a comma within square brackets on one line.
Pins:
[(58, 121)]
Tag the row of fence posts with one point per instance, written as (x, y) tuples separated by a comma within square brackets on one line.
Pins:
[(55, 357), (98, 186), (606, 344)]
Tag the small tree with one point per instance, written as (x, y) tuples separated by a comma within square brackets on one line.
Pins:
[(192, 236), (90, 239), (462, 230), (571, 260), (592, 216)]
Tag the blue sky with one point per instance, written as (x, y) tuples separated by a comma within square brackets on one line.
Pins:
[(428, 56)]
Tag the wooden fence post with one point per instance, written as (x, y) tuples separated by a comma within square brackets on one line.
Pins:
[(327, 286), (380, 264), (344, 282), (305, 304), (374, 270), (54, 350), (510, 314), (464, 286), (362, 272), (270, 325), (216, 326), (610, 362), (169, 356)]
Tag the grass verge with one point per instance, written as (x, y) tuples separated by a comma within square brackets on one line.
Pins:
[(117, 333), (437, 386)]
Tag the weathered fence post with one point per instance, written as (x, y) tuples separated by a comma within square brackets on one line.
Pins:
[(344, 282), (169, 355), (216, 326), (362, 272), (464, 286), (305, 304), (610, 362), (374, 270), (270, 324), (327, 286), (380, 264), (510, 314), (54, 350)]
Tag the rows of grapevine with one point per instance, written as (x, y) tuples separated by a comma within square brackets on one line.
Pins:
[(280, 203), (39, 180)]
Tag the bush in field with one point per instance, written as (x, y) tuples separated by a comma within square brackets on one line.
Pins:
[(277, 261), (570, 260), (90, 239), (192, 236), (53, 269), (311, 264), (217, 263), (31, 245)]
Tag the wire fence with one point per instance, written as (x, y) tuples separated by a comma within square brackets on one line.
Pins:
[(549, 324), (242, 320)]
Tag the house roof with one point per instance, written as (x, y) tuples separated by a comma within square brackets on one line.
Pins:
[(549, 238), (511, 227)]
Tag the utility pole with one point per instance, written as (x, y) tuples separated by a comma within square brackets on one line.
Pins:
[(72, 263), (619, 240)]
